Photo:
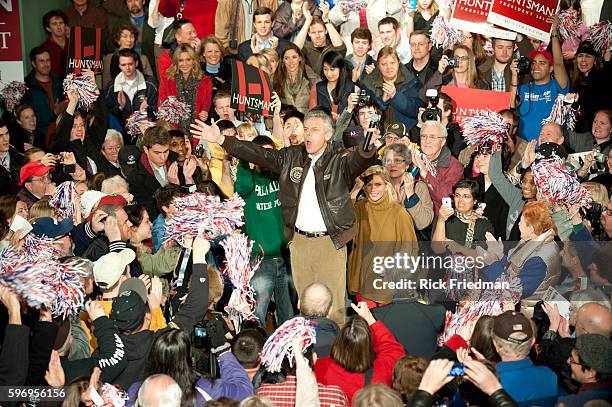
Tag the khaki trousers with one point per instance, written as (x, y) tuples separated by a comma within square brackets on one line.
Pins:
[(317, 260)]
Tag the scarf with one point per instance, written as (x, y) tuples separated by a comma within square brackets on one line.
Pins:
[(294, 87), (186, 91), (469, 235)]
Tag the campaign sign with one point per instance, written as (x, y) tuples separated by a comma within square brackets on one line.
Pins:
[(85, 50), (524, 16), (471, 15), (469, 101), (251, 91)]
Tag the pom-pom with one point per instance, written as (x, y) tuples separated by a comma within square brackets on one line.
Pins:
[(239, 270), (173, 110), (485, 128), (558, 185), (12, 93), (562, 112), (27, 278), (428, 164), (110, 396), (280, 344), (569, 25), (352, 6), (66, 283), (199, 214), (443, 35), (511, 289), (601, 36), (137, 122), (469, 314), (87, 91), (63, 200)]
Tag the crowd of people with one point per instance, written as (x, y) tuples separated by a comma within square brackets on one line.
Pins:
[(359, 161)]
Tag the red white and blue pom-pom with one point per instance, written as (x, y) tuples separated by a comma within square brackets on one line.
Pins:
[(468, 314), (485, 128), (87, 91), (601, 36), (63, 200), (352, 6), (12, 93), (563, 113), (569, 25), (559, 186), (66, 282), (280, 344), (240, 270), (137, 123), (109, 396), (199, 214), (428, 164), (38, 248), (443, 35), (173, 110), (510, 289)]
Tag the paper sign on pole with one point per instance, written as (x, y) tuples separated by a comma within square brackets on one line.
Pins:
[(471, 15)]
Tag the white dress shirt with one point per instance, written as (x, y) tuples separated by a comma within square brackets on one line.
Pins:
[(309, 217)]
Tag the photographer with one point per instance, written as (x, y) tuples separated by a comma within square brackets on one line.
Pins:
[(361, 109), (394, 89), (495, 71), (440, 108)]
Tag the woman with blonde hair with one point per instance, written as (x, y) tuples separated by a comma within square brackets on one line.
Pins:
[(186, 81), (273, 58), (379, 218), (463, 75), (214, 64)]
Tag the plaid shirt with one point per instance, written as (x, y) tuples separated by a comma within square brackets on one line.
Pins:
[(498, 83), (283, 394)]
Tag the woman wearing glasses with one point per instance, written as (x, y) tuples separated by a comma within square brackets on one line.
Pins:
[(463, 75), (414, 195)]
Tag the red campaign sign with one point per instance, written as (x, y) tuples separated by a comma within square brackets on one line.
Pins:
[(469, 101), (10, 31), (525, 16), (471, 15)]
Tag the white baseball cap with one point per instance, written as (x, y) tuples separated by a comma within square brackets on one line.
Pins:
[(108, 268)]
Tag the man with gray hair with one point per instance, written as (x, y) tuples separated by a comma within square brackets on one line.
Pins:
[(448, 169), (108, 161), (159, 390), (314, 185), (117, 186), (315, 304)]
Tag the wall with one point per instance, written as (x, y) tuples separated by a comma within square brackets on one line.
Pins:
[(32, 32)]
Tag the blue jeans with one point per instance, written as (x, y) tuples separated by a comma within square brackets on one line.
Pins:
[(272, 278)]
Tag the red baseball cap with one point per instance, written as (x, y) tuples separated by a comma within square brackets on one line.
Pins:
[(545, 54), (33, 169), (108, 200)]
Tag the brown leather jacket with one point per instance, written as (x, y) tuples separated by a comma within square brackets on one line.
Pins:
[(223, 20), (334, 175)]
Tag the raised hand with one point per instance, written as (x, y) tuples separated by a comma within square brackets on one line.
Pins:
[(173, 177), (364, 312), (211, 133)]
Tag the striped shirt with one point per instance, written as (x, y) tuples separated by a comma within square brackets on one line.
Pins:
[(283, 394)]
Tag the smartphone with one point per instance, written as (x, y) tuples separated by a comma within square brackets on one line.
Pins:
[(446, 201), (414, 171), (457, 370), (199, 331)]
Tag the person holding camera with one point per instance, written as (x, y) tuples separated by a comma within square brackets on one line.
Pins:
[(495, 71), (462, 73), (535, 99), (394, 89)]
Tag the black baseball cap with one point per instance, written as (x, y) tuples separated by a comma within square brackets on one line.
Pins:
[(128, 311)]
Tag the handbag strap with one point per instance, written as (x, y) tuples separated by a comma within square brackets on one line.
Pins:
[(179, 15)]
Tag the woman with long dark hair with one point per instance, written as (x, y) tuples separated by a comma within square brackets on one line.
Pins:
[(293, 79), (171, 355), (333, 91)]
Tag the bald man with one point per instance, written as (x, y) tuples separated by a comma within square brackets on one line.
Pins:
[(159, 390), (594, 318), (551, 133), (315, 304)]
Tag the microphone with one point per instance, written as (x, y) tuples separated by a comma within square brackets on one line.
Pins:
[(368, 134)]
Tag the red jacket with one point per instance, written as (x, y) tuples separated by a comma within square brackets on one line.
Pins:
[(450, 171), (200, 12), (387, 350), (167, 87)]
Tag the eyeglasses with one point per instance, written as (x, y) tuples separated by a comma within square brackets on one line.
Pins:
[(396, 161), (608, 212), (461, 58), (431, 137), (45, 179)]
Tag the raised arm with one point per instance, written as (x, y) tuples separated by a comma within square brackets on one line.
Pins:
[(300, 39), (334, 35), (559, 67)]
